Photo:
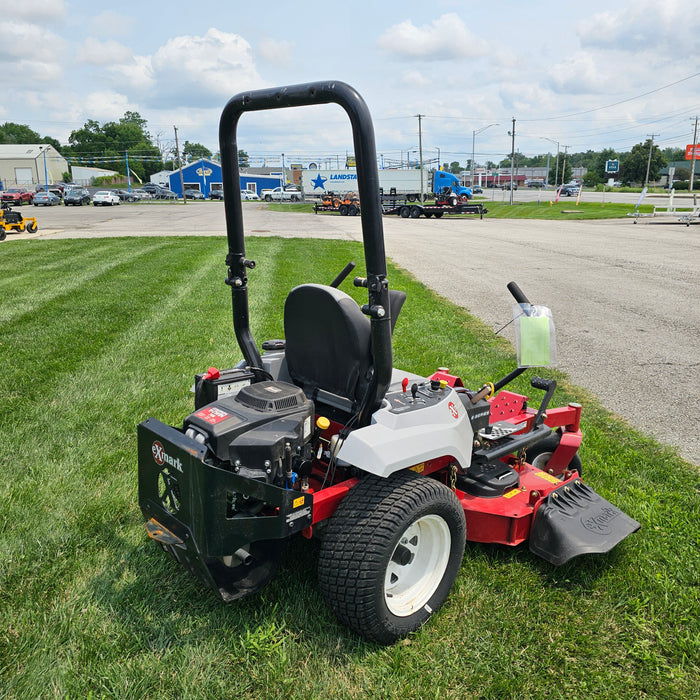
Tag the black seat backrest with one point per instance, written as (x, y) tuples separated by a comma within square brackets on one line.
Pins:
[(328, 342)]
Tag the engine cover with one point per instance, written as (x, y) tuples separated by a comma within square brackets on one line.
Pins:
[(255, 425)]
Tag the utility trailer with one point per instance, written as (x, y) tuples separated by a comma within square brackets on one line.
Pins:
[(413, 210), (346, 204)]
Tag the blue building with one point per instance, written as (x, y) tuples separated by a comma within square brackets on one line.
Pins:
[(205, 175)]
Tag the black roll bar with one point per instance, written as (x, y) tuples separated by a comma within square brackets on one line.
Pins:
[(371, 213)]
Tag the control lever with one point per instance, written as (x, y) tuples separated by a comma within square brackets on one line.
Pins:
[(549, 386), (343, 274)]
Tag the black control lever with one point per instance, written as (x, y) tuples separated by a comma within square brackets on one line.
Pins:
[(548, 386), (343, 274)]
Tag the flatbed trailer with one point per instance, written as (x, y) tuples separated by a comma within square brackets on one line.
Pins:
[(414, 211)]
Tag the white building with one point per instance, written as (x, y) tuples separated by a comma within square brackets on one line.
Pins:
[(30, 164)]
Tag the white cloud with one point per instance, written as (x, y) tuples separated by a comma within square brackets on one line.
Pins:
[(202, 70), (21, 40), (111, 23), (36, 11), (664, 30), (103, 53), (106, 105), (446, 38), (278, 53)]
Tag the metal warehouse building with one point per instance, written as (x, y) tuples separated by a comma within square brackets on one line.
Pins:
[(30, 164), (205, 175)]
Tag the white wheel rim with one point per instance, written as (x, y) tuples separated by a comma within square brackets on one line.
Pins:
[(409, 586)]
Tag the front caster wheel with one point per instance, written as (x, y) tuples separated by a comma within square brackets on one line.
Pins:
[(391, 554), (541, 452)]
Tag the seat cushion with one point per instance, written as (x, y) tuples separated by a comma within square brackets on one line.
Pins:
[(327, 341)]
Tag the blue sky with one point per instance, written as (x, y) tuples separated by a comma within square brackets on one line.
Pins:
[(586, 75)]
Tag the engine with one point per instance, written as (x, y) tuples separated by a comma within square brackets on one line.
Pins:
[(263, 432)]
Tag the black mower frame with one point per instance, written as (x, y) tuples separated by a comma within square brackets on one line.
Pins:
[(378, 307)]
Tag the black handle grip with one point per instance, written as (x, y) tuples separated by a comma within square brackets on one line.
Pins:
[(343, 274), (517, 293), (360, 281), (543, 384)]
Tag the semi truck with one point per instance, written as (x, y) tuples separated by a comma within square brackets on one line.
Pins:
[(396, 183)]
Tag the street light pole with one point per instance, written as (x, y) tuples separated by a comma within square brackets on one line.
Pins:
[(556, 167), (651, 148), (471, 165)]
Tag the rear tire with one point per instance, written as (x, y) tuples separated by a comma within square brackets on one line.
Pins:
[(31, 227), (391, 553), (415, 212), (405, 212)]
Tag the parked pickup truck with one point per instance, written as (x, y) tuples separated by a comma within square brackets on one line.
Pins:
[(280, 194), (17, 196)]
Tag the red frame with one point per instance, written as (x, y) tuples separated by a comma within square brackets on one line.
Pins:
[(505, 519)]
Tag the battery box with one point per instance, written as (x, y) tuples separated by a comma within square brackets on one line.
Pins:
[(217, 384)]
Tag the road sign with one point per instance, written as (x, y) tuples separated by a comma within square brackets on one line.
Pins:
[(612, 166), (692, 152)]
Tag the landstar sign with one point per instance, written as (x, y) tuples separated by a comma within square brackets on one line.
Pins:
[(692, 152)]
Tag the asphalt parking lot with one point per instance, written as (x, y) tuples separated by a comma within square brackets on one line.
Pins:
[(625, 297)]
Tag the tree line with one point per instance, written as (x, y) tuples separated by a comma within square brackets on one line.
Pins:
[(110, 144), (114, 145)]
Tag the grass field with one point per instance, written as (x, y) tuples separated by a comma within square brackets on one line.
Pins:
[(97, 335)]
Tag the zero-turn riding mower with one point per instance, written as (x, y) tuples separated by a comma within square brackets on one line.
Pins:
[(12, 221), (320, 436)]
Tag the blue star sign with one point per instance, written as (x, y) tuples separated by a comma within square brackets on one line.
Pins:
[(318, 182)]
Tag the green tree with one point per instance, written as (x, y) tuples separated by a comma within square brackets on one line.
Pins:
[(634, 163), (109, 145), (21, 133), (455, 167), (194, 151)]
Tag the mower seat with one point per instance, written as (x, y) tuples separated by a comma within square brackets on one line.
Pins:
[(328, 343)]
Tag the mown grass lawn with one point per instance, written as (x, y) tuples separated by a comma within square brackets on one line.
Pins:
[(97, 335)]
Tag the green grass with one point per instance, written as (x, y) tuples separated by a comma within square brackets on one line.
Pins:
[(562, 210), (97, 335)]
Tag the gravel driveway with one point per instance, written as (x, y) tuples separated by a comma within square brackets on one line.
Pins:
[(625, 297)]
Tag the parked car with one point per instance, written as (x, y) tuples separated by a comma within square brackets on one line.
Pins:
[(17, 196), (476, 189), (506, 185), (216, 194), (569, 190), (194, 194), (164, 193), (141, 194), (105, 197), (126, 195), (77, 196), (536, 183), (45, 199), (249, 195)]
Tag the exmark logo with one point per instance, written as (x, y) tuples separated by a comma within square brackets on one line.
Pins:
[(161, 457), (453, 410)]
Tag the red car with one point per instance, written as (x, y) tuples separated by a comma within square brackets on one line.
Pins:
[(17, 196)]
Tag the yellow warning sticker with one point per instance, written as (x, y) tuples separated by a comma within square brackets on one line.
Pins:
[(418, 468), (512, 493), (298, 502), (548, 477)]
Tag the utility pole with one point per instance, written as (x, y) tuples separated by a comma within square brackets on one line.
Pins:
[(651, 148), (420, 156), (692, 156), (512, 160), (179, 165)]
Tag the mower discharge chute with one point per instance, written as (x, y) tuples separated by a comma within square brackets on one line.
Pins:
[(320, 436)]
